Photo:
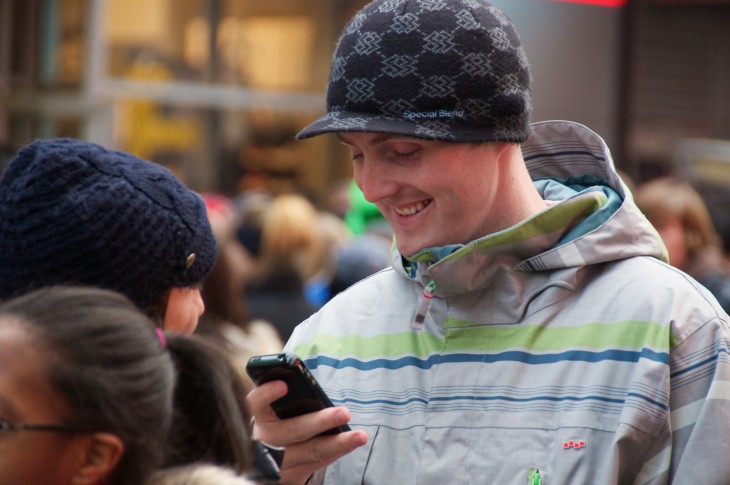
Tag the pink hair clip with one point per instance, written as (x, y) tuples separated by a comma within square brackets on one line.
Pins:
[(161, 337)]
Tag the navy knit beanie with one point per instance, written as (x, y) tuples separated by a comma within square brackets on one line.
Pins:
[(73, 212), (451, 70)]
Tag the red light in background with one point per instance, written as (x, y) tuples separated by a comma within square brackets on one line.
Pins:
[(600, 3)]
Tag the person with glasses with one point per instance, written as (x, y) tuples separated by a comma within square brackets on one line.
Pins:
[(91, 392), (86, 390)]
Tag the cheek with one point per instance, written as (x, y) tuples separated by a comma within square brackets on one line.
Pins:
[(195, 305), (34, 458), (466, 196), (672, 237), (184, 307)]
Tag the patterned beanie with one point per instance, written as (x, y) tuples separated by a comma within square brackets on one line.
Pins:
[(73, 212), (450, 70)]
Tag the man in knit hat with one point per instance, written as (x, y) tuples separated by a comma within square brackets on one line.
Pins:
[(529, 330), (74, 212)]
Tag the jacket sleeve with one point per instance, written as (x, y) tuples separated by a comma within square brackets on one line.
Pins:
[(696, 445)]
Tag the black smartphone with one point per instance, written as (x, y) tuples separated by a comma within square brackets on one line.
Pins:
[(305, 394)]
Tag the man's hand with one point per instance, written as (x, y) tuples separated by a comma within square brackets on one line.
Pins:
[(305, 452)]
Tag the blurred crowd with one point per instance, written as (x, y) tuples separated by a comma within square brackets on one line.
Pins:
[(130, 305), (281, 258)]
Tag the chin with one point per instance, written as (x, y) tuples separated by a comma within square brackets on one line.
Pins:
[(409, 250), (405, 250)]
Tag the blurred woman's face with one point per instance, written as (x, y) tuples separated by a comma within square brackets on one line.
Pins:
[(27, 396), (672, 233), (184, 308)]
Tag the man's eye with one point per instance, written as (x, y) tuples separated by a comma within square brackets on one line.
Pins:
[(405, 154)]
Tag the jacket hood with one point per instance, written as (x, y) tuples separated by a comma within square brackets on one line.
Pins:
[(592, 219), (562, 150)]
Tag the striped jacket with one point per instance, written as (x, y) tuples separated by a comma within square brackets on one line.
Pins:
[(560, 351)]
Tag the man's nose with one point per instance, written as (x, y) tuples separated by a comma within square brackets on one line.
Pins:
[(376, 180)]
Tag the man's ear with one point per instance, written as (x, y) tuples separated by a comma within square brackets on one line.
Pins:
[(101, 454)]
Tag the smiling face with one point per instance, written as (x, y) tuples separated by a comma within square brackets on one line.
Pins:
[(26, 396), (435, 193)]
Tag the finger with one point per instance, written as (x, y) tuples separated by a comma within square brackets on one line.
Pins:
[(259, 399), (301, 428), (303, 459)]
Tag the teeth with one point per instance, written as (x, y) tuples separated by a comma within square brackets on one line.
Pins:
[(409, 211)]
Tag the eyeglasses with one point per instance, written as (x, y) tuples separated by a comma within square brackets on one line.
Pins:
[(62, 428)]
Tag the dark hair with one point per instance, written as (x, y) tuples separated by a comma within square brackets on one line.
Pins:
[(106, 361), (171, 404), (223, 287), (211, 421)]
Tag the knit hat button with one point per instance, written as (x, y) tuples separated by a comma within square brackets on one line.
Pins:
[(190, 260)]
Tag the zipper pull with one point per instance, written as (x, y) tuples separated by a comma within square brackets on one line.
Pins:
[(536, 479), (423, 307)]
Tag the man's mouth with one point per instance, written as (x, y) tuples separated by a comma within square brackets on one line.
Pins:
[(413, 209)]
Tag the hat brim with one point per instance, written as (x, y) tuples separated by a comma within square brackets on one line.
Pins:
[(343, 121), (348, 121)]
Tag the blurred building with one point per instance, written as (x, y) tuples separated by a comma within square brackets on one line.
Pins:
[(213, 89), (216, 89)]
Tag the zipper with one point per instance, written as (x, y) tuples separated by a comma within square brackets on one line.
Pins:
[(423, 306), (536, 478)]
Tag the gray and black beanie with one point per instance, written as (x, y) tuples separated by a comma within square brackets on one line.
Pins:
[(76, 213), (451, 70)]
